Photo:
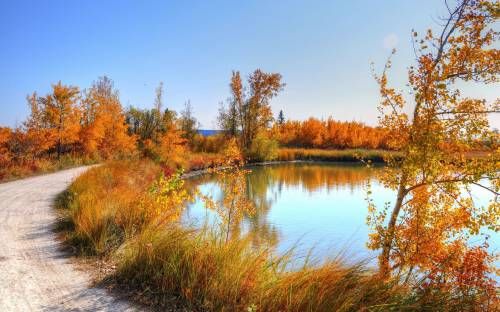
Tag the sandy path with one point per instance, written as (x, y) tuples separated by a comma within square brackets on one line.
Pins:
[(34, 274)]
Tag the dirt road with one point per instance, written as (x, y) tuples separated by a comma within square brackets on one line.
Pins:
[(34, 274)]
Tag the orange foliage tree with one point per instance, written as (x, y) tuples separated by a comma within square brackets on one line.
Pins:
[(249, 112), (434, 214), (40, 136), (62, 114), (5, 137), (173, 145), (329, 134), (103, 127)]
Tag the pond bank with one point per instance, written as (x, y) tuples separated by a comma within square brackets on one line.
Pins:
[(199, 172), (167, 264), (348, 155)]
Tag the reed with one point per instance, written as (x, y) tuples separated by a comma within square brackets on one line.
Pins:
[(208, 273), (347, 155), (103, 204), (203, 269)]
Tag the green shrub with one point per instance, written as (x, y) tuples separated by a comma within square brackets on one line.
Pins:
[(263, 148)]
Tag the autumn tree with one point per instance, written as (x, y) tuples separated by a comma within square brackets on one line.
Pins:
[(234, 204), (188, 123), (164, 119), (142, 123), (63, 114), (161, 134), (5, 137), (172, 146), (330, 133), (228, 118), (40, 136), (312, 133), (92, 130), (159, 98), (149, 125), (434, 214), (104, 128), (251, 107)]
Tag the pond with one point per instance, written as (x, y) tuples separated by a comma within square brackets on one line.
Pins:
[(315, 207)]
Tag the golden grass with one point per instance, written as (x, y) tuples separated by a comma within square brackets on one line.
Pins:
[(203, 270), (287, 154), (198, 266), (207, 273), (103, 203), (41, 166)]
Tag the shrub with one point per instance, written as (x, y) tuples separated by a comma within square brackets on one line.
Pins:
[(263, 148)]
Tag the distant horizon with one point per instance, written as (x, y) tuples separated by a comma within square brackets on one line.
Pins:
[(322, 51)]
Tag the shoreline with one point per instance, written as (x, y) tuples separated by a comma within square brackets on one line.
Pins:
[(199, 172)]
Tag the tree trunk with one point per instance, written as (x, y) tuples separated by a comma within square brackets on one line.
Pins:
[(59, 149), (384, 265)]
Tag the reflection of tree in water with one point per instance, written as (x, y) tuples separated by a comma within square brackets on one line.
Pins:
[(259, 183), (266, 184), (315, 177)]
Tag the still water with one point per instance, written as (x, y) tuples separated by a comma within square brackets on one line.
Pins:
[(316, 208)]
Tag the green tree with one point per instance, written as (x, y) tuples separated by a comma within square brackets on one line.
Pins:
[(188, 123), (228, 118), (251, 108), (281, 118)]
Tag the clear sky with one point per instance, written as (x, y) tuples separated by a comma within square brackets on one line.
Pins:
[(323, 49)]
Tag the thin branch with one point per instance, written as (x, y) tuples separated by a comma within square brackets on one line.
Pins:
[(486, 188), (445, 34), (468, 112)]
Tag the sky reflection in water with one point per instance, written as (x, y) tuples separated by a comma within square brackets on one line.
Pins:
[(318, 206)]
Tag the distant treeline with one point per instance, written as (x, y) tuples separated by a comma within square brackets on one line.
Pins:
[(330, 134), (70, 123)]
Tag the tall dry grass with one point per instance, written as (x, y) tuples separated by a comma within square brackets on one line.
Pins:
[(206, 272), (198, 266), (347, 155), (26, 168), (102, 205)]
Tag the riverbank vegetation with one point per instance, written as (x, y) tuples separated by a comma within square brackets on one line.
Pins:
[(349, 155), (128, 210), (70, 126), (128, 213), (109, 213)]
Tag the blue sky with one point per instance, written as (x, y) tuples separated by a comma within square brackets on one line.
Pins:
[(323, 49)]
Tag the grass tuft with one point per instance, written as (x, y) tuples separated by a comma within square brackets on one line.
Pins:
[(347, 155)]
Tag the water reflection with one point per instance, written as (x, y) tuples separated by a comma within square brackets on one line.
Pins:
[(318, 206)]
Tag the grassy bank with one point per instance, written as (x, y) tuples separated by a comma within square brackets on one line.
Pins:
[(191, 161), (39, 166), (102, 207), (347, 155), (111, 212), (206, 273)]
